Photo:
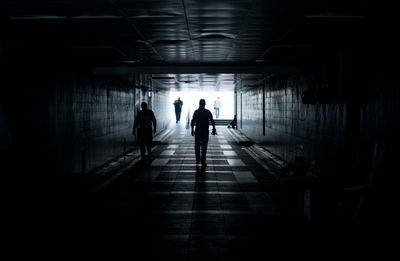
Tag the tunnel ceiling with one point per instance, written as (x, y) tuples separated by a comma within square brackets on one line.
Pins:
[(155, 32)]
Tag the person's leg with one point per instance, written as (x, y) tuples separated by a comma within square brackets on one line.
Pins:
[(176, 115), (217, 112), (197, 147), (204, 144), (149, 140), (141, 139)]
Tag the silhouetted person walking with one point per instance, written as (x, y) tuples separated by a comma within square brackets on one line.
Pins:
[(233, 123), (201, 118), (217, 106), (143, 123), (178, 109)]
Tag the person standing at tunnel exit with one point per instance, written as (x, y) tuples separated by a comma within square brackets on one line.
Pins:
[(217, 106), (145, 118), (201, 119), (178, 108)]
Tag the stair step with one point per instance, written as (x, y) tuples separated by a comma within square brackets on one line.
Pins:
[(222, 121)]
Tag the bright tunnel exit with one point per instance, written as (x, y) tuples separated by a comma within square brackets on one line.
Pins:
[(191, 103)]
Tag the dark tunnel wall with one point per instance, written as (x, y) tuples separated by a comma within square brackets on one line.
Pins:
[(160, 105), (90, 121), (288, 122), (68, 121), (62, 118), (356, 105), (72, 122)]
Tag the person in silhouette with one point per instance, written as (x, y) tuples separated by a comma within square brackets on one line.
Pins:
[(233, 123), (143, 123), (201, 119), (178, 108), (217, 106)]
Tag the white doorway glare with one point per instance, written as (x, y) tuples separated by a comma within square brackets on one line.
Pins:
[(191, 103)]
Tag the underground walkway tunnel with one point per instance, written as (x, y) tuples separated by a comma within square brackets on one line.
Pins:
[(308, 84)]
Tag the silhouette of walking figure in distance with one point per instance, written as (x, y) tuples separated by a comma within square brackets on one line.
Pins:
[(201, 118), (178, 108), (142, 123), (217, 106), (233, 123)]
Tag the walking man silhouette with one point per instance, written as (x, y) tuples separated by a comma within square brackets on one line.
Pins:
[(178, 108), (201, 118), (217, 106), (143, 123)]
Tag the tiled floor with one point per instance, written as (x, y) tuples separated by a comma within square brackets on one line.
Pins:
[(181, 211)]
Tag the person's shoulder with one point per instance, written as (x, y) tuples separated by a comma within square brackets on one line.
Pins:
[(146, 112), (206, 111)]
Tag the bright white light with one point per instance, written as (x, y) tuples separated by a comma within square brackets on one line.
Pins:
[(191, 103)]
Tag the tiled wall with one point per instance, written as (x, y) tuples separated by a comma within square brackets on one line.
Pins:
[(252, 118), (288, 122), (71, 122), (91, 121), (326, 130), (161, 101)]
